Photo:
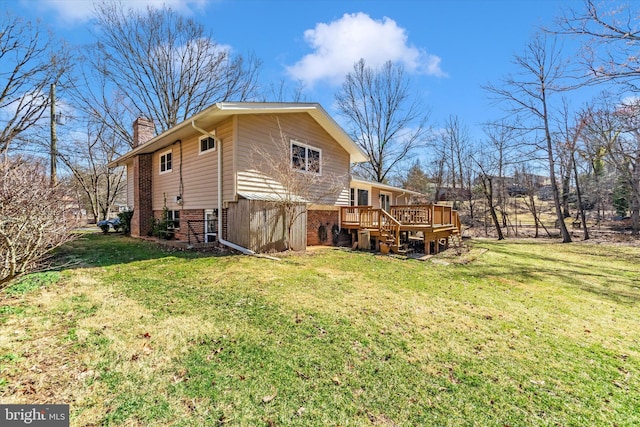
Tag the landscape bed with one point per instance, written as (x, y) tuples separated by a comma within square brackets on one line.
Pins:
[(512, 333)]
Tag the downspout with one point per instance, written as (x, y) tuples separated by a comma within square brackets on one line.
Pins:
[(220, 239)]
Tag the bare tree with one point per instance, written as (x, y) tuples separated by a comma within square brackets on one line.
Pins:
[(502, 151), (614, 130), (601, 130), (454, 146), (541, 73), (570, 134), (382, 116), (160, 65), (611, 34), (296, 177), (486, 183), (33, 217), (625, 155), (491, 161), (87, 160), (29, 62)]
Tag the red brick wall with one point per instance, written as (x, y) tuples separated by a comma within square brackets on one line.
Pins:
[(317, 218), (142, 213), (196, 215), (197, 226), (225, 219), (143, 131)]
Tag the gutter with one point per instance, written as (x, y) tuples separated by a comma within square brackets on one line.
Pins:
[(220, 239)]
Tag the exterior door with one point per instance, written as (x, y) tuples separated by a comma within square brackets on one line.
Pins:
[(210, 225), (385, 201)]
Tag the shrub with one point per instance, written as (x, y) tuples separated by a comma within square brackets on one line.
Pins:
[(33, 217), (125, 221)]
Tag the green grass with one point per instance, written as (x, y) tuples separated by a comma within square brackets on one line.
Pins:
[(513, 333)]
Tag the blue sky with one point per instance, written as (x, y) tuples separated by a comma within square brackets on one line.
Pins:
[(449, 47)]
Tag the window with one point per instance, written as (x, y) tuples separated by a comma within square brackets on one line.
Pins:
[(173, 220), (207, 144), (359, 197), (363, 197), (165, 162), (305, 158)]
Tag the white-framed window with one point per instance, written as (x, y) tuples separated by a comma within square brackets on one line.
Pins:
[(207, 144), (306, 158), (358, 197), (173, 220), (166, 161)]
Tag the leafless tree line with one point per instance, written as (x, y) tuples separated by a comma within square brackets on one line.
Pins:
[(161, 65)]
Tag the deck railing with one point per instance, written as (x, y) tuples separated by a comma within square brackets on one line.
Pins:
[(427, 215), (412, 214), (352, 215)]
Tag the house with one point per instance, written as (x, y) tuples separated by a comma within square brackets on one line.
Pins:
[(204, 175)]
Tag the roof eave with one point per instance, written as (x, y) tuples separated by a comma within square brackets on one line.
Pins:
[(385, 186)]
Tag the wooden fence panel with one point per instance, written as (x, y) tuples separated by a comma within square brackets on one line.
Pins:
[(260, 226)]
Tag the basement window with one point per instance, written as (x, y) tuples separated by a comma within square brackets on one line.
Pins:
[(173, 220)]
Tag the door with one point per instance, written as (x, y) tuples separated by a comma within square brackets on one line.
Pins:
[(385, 201), (210, 225)]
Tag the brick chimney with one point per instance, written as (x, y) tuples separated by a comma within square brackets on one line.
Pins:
[(143, 131)]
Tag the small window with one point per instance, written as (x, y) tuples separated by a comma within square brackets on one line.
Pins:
[(166, 162), (305, 158), (173, 220), (207, 144)]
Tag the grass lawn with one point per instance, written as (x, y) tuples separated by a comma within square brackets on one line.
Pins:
[(514, 333)]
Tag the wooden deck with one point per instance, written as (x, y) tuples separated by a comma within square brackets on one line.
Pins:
[(404, 226)]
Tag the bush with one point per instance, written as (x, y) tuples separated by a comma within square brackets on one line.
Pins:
[(33, 217), (125, 221)]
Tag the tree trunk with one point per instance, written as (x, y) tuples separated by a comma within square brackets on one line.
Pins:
[(487, 187), (566, 237), (580, 206)]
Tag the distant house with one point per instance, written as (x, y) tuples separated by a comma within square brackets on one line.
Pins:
[(201, 173)]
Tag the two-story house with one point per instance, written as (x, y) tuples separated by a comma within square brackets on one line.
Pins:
[(203, 175)]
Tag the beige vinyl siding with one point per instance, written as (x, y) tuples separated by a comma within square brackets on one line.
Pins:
[(130, 185), (400, 199), (199, 172), (227, 132), (167, 183), (374, 196), (199, 175), (263, 129)]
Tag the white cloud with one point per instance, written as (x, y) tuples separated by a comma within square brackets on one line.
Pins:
[(339, 44), (79, 11)]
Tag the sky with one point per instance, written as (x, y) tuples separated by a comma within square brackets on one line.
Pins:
[(449, 48)]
